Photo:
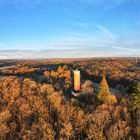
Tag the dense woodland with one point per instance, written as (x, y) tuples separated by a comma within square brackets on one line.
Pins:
[(36, 101)]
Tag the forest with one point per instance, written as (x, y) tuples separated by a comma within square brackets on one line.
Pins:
[(36, 101)]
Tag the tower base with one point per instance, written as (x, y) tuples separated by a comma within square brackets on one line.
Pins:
[(76, 93)]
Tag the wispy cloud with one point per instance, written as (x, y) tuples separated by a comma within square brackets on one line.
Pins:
[(103, 42), (113, 41), (23, 3), (31, 3), (82, 38), (47, 54), (108, 4), (102, 36), (74, 44)]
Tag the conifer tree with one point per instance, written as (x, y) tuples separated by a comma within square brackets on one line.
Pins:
[(136, 96), (103, 93)]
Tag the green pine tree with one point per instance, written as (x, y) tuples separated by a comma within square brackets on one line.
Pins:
[(136, 96)]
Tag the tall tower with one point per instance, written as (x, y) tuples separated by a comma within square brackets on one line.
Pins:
[(76, 80)]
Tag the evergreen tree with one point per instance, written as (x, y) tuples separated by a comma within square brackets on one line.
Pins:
[(136, 96), (103, 93)]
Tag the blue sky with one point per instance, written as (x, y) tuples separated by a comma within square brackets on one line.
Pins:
[(69, 28)]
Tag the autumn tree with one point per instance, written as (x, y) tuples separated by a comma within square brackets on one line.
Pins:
[(4, 117), (47, 73), (87, 87), (118, 130), (54, 74), (96, 123), (103, 91)]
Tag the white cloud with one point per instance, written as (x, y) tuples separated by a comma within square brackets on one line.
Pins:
[(45, 54)]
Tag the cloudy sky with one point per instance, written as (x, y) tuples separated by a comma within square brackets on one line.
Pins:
[(69, 28)]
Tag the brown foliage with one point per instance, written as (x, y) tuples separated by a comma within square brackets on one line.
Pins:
[(30, 109)]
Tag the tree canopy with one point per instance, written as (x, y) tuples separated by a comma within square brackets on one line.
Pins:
[(136, 96)]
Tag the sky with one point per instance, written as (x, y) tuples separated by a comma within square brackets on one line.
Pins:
[(69, 28)]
